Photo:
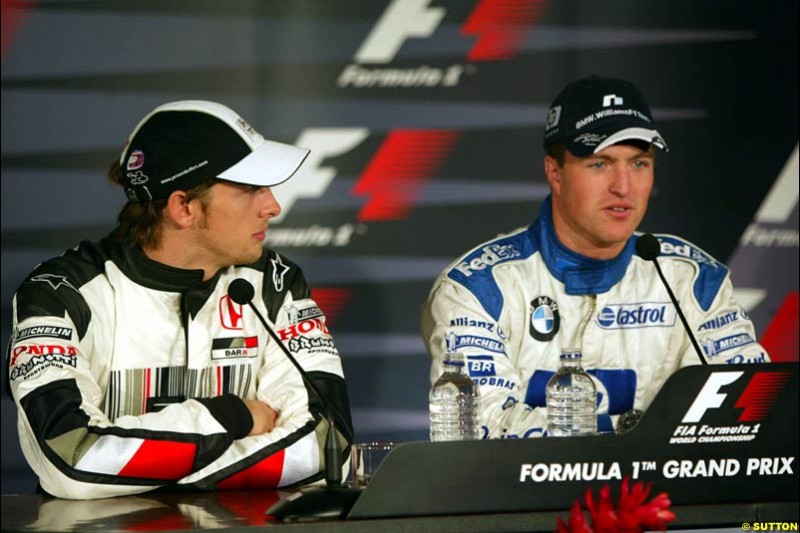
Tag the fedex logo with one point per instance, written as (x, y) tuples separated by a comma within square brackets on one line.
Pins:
[(499, 31), (487, 257), (755, 401)]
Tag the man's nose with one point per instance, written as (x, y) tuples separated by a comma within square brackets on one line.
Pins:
[(271, 207), (621, 182)]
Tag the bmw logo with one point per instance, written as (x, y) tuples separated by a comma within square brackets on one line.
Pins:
[(545, 320)]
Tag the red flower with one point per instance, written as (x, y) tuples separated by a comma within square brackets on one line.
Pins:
[(577, 522), (604, 516), (632, 514)]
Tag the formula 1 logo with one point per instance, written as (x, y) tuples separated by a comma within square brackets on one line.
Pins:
[(756, 399), (401, 20), (390, 184), (499, 28)]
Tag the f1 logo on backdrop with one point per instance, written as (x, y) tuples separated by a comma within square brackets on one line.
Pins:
[(755, 401), (391, 182), (498, 26)]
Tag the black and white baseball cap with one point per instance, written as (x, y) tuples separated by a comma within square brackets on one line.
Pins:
[(593, 113), (180, 145)]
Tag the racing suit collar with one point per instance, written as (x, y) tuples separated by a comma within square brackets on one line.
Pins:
[(579, 274), (152, 274)]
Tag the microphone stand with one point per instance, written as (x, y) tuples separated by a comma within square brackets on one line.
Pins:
[(334, 500), (648, 248)]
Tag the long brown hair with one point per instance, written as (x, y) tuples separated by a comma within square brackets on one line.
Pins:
[(139, 223)]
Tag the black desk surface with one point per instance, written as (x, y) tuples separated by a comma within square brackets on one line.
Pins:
[(742, 419), (244, 511)]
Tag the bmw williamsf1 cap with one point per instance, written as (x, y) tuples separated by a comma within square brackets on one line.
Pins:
[(180, 145), (593, 113)]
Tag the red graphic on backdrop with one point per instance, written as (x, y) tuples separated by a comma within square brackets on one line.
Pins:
[(332, 301), (397, 173), (781, 336), (760, 394), (501, 27), (14, 14)]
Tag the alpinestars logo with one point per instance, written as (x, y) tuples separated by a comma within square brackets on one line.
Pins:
[(755, 402), (54, 281), (498, 27)]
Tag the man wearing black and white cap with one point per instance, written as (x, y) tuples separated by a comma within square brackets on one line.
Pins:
[(572, 280), (132, 367)]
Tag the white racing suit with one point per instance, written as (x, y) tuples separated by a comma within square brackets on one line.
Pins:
[(128, 375), (512, 304)]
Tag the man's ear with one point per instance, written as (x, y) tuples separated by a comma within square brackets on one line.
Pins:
[(552, 171), (179, 211)]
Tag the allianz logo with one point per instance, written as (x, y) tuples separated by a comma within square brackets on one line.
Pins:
[(488, 256), (639, 315)]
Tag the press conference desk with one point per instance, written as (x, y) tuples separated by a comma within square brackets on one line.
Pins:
[(721, 441), (244, 512)]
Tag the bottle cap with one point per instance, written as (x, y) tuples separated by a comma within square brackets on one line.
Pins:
[(454, 358), (570, 354)]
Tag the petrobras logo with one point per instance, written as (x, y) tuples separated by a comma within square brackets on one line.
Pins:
[(480, 366), (487, 257), (712, 347), (483, 343), (639, 315), (498, 34), (493, 381)]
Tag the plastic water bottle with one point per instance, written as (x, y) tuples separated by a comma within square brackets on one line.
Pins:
[(571, 399), (454, 403)]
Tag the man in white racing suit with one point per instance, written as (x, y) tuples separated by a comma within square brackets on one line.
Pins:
[(572, 280), (133, 369)]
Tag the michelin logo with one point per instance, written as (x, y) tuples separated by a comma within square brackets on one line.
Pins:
[(639, 315), (487, 257), (484, 343), (712, 347)]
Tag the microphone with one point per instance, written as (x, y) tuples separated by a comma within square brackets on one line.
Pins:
[(334, 500), (648, 248)]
